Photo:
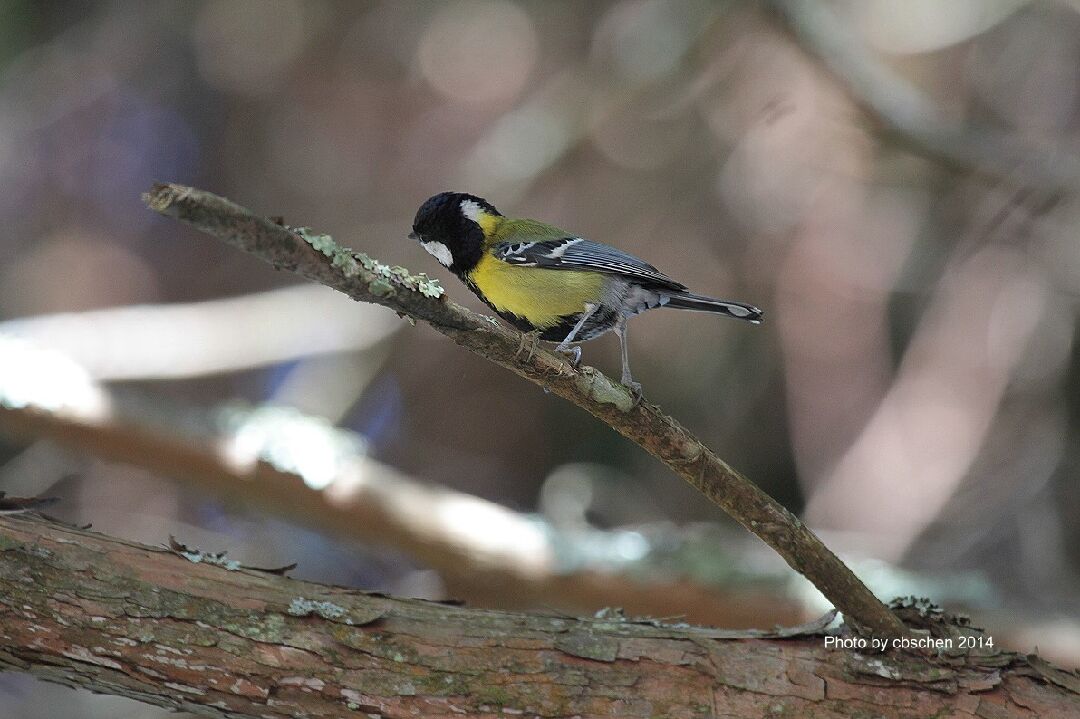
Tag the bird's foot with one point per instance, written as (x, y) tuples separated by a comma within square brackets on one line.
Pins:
[(573, 354), (530, 340), (634, 387)]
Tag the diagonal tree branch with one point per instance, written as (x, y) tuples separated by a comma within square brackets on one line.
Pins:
[(318, 258)]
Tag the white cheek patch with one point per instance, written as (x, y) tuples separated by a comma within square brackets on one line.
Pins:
[(471, 210), (440, 252)]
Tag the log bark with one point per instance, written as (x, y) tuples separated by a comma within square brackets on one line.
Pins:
[(86, 610)]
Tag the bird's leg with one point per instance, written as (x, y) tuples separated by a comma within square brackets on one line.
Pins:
[(564, 346), (627, 378)]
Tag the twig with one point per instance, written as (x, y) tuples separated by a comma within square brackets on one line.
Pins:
[(904, 114), (318, 258)]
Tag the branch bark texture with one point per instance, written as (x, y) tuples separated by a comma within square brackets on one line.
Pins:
[(319, 259), (89, 611)]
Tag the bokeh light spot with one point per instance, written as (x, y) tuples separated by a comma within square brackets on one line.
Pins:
[(75, 270), (522, 144), (918, 26), (645, 41), (245, 46), (478, 50)]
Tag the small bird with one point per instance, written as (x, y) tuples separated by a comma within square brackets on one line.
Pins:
[(550, 282)]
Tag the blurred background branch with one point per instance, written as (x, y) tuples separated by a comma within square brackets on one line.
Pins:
[(301, 471), (906, 116), (179, 341)]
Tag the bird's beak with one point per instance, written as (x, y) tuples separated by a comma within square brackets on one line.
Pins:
[(414, 236)]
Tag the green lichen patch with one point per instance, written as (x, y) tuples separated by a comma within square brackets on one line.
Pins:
[(421, 283), (589, 646), (158, 603), (493, 695), (300, 607), (357, 617), (379, 644), (269, 627), (604, 390), (351, 263), (323, 243), (348, 264), (381, 288), (8, 543)]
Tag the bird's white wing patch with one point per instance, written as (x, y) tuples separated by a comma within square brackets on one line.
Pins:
[(515, 253), (563, 247), (440, 252)]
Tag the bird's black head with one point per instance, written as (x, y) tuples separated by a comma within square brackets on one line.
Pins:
[(452, 226)]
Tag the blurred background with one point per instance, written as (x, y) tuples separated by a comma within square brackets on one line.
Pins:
[(894, 183)]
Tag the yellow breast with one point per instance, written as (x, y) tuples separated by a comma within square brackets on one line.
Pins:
[(543, 297)]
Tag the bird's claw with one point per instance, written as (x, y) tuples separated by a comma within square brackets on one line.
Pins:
[(635, 388), (530, 340), (573, 354)]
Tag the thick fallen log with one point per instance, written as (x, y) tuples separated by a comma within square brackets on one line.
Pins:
[(87, 610)]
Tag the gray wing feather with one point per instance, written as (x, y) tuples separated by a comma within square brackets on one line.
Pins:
[(575, 253)]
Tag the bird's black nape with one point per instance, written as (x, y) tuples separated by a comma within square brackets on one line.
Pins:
[(446, 202), (445, 219)]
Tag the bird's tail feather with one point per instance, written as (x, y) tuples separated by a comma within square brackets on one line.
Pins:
[(700, 303)]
